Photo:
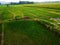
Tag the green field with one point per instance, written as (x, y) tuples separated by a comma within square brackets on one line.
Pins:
[(30, 24)]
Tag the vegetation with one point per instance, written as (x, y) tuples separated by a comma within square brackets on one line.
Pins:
[(28, 33), (30, 24)]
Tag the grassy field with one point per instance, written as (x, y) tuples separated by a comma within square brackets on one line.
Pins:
[(31, 24)]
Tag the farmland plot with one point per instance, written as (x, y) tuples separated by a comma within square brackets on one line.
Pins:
[(31, 33), (30, 25)]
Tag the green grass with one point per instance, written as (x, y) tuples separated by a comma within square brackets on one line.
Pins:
[(29, 33)]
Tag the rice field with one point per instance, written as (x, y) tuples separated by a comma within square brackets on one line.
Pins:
[(30, 24)]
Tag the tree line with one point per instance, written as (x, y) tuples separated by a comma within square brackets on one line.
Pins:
[(22, 2)]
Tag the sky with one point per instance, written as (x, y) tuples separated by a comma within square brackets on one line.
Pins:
[(27, 0)]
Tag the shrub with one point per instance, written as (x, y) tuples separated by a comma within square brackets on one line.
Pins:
[(17, 17)]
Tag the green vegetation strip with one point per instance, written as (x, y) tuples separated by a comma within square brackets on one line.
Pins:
[(28, 33)]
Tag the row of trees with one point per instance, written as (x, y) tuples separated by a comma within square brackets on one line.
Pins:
[(0, 3), (23, 2)]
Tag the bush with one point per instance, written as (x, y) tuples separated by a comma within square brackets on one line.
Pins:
[(17, 17)]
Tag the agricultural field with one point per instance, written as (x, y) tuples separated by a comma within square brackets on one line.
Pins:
[(30, 24)]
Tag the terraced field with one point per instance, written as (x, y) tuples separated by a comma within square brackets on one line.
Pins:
[(29, 25)]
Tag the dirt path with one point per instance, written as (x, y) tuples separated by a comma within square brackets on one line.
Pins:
[(0, 38)]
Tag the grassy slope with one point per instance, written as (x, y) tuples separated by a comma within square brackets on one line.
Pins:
[(28, 33)]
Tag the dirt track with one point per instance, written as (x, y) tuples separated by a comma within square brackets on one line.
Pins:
[(0, 38)]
